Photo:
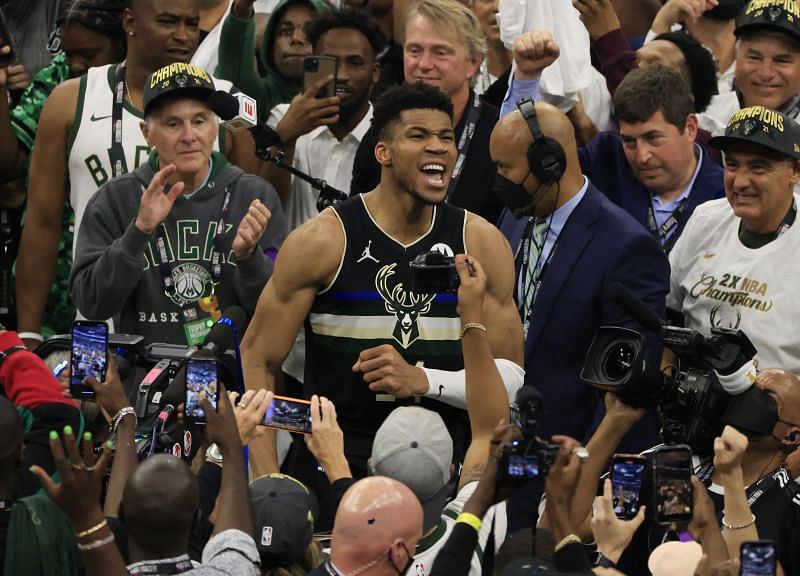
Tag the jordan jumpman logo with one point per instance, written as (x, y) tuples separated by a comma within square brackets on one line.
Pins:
[(365, 255)]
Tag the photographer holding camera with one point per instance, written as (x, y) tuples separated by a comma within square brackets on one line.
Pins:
[(370, 339)]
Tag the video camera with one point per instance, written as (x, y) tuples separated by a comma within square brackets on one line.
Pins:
[(434, 272), (526, 458), (690, 400)]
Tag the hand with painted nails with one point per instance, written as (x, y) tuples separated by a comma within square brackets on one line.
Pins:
[(78, 492)]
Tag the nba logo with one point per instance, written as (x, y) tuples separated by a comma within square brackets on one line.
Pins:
[(187, 442), (176, 450)]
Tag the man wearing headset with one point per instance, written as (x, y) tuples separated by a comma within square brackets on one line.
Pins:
[(571, 246)]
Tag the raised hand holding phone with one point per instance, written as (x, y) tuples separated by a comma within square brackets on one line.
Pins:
[(612, 533)]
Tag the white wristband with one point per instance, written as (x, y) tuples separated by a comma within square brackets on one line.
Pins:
[(740, 380), (30, 336), (451, 387)]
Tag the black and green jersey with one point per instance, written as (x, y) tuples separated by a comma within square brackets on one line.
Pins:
[(370, 303)]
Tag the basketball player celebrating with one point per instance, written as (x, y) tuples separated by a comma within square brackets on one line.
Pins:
[(371, 342), (157, 250)]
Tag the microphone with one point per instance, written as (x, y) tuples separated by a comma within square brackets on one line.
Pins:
[(238, 112), (166, 414), (638, 310), (156, 376), (221, 338)]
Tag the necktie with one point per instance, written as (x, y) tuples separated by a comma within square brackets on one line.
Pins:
[(532, 270)]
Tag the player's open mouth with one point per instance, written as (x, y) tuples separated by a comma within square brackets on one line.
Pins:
[(434, 173)]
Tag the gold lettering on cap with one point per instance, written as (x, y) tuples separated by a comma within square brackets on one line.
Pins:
[(764, 115), (789, 6)]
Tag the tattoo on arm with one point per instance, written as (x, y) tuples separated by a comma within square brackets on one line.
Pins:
[(472, 475)]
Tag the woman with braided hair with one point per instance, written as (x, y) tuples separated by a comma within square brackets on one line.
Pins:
[(90, 34)]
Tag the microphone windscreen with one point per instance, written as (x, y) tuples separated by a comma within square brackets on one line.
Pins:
[(221, 335), (633, 305), (176, 390), (223, 104)]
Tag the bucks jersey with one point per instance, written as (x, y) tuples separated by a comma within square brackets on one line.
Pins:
[(89, 144), (370, 303)]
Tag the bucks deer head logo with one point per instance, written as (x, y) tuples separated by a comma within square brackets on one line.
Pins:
[(405, 305)]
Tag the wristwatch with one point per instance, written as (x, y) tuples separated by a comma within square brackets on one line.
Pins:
[(602, 562), (213, 454)]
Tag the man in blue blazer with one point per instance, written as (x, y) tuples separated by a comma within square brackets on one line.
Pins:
[(589, 244), (653, 168), (571, 245)]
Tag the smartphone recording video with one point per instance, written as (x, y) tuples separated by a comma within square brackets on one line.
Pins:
[(88, 356), (758, 558), (201, 378), (290, 414), (672, 467), (627, 473), (315, 68)]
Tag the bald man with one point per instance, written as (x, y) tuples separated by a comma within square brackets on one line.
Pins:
[(378, 524), (571, 244)]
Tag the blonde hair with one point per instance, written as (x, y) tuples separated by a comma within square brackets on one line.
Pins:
[(453, 16)]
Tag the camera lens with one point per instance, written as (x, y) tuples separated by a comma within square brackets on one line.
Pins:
[(618, 361)]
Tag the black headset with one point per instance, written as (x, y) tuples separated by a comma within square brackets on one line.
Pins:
[(546, 157)]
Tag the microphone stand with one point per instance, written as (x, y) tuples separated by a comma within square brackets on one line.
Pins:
[(328, 195)]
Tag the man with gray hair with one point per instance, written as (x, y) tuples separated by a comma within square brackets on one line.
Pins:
[(158, 251)]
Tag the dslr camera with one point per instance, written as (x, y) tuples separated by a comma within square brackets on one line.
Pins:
[(434, 272), (529, 457)]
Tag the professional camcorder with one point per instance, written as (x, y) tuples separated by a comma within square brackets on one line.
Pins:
[(690, 399), (529, 457)]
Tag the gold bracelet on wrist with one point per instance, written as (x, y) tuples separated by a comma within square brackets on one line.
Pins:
[(568, 540), (93, 529), (470, 325)]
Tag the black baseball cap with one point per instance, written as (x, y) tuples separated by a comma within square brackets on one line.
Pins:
[(725, 10), (758, 125), (283, 517), (177, 80), (776, 15)]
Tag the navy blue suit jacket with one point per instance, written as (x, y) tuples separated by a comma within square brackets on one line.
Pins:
[(603, 161), (599, 246)]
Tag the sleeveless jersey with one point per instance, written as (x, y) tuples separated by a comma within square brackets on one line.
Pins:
[(370, 303), (89, 144)]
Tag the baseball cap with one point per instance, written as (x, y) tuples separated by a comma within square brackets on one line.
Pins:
[(414, 447), (778, 15), (725, 10), (283, 517), (675, 559), (177, 80), (758, 125)]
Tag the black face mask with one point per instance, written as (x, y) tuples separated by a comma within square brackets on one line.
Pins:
[(753, 413), (513, 195)]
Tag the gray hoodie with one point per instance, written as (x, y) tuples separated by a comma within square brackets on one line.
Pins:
[(116, 271)]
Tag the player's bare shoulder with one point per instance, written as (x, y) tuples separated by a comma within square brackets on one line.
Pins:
[(484, 239), (314, 250)]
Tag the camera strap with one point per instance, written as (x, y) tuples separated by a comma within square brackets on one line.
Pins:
[(166, 567), (660, 233), (116, 152), (464, 142)]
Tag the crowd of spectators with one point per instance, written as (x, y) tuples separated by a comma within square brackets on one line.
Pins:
[(523, 180)]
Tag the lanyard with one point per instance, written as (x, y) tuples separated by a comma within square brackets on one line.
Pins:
[(755, 490), (525, 247), (168, 567), (216, 256), (6, 237), (464, 142), (669, 224), (117, 154)]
